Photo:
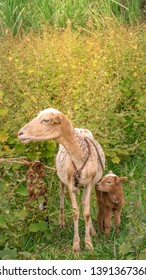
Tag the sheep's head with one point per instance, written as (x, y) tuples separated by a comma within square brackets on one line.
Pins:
[(109, 182), (47, 125)]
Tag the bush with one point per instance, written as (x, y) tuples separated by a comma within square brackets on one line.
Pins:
[(97, 80)]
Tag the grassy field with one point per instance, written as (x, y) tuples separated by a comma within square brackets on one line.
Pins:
[(26, 235), (89, 63)]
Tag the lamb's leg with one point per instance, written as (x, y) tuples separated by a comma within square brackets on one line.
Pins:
[(87, 197), (100, 213), (107, 220), (62, 193), (92, 229), (117, 217), (76, 240), (100, 218)]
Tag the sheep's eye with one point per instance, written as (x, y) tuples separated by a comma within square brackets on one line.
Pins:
[(109, 182), (44, 121)]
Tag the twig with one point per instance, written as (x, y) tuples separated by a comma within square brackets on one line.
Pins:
[(15, 160), (52, 168), (22, 160)]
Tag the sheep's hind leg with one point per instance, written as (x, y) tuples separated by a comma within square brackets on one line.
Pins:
[(61, 216)]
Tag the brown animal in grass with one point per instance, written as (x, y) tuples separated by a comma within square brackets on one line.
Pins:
[(110, 200), (35, 184)]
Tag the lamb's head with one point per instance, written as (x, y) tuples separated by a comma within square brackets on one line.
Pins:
[(47, 125), (110, 182)]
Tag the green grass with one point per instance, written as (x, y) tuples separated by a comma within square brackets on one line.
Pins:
[(22, 16), (56, 243)]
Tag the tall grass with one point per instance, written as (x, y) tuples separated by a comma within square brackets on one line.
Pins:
[(11, 16), (19, 16)]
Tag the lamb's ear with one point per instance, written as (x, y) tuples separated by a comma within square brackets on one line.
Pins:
[(120, 180), (56, 120)]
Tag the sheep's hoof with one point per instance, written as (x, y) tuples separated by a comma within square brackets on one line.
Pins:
[(76, 248), (62, 225), (89, 246)]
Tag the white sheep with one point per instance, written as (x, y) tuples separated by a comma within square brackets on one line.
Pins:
[(79, 162)]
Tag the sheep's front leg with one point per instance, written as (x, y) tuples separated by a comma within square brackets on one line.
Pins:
[(87, 197), (92, 229), (76, 240), (62, 193)]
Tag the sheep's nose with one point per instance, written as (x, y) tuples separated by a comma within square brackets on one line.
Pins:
[(20, 133)]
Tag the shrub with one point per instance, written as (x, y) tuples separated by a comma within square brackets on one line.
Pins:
[(96, 79)]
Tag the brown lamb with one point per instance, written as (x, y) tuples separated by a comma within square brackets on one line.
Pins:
[(110, 200)]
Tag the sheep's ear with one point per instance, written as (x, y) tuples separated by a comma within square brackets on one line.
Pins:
[(56, 120), (120, 180)]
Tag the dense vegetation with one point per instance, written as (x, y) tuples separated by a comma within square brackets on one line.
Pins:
[(22, 16), (88, 63)]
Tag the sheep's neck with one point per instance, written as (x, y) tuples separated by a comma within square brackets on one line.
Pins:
[(73, 148)]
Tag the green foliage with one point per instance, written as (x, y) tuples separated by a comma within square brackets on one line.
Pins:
[(134, 247), (19, 221), (22, 190), (18, 17), (8, 254), (39, 226), (96, 79)]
